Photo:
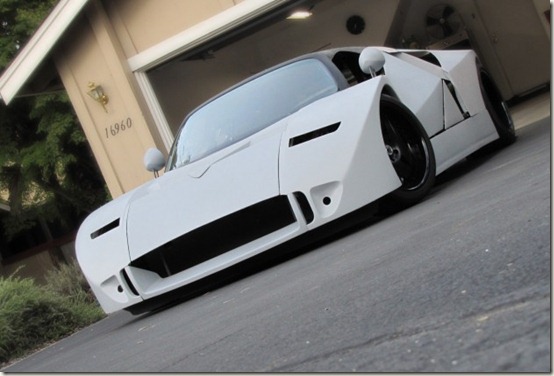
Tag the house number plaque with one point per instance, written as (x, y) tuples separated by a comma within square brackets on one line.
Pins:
[(116, 128)]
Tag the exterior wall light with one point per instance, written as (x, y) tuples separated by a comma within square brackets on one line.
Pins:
[(96, 92)]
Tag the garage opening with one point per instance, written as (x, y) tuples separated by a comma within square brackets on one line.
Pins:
[(186, 81)]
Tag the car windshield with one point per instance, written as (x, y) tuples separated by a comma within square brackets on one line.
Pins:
[(250, 108)]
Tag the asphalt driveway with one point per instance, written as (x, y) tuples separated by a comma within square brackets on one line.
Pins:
[(458, 283)]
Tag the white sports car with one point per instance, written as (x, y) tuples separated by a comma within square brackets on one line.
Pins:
[(287, 151)]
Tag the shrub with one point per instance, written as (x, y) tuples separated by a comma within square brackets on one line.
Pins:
[(68, 280), (33, 315)]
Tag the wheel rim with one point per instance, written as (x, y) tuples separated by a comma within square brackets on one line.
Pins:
[(406, 148)]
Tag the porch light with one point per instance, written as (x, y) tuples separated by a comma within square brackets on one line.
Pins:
[(96, 92)]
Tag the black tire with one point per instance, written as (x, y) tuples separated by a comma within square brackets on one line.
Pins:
[(497, 109), (410, 151)]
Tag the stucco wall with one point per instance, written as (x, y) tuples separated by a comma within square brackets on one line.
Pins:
[(120, 133), (35, 266), (102, 40), (141, 24)]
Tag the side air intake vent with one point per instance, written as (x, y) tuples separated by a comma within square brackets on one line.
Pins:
[(129, 283), (102, 230), (304, 206), (313, 134)]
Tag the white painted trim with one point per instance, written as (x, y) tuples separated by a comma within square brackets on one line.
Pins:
[(38, 47), (202, 32), (155, 109)]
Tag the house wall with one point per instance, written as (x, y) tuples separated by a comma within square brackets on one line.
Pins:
[(141, 24), (102, 40), (92, 56), (36, 262), (35, 266)]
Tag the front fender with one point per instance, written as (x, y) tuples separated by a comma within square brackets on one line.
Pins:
[(102, 252), (342, 169)]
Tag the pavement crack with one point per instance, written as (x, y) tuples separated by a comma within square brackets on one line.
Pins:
[(375, 341), (478, 317), (504, 307)]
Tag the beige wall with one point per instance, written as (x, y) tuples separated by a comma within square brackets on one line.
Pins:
[(97, 52), (36, 263), (140, 24), (35, 266), (91, 56)]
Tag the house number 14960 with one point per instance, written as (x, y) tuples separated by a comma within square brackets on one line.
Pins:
[(114, 129)]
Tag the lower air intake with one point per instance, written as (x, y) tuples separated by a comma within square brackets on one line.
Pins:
[(218, 237)]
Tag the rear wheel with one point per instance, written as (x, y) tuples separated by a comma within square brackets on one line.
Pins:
[(497, 109), (410, 152)]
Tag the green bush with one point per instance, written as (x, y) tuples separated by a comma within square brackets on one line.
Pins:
[(32, 315), (68, 280)]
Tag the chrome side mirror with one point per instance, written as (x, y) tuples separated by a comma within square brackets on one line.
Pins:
[(154, 161), (371, 61)]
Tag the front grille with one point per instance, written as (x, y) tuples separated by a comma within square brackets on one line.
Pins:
[(218, 237)]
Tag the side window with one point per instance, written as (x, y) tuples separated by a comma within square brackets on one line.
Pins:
[(347, 62)]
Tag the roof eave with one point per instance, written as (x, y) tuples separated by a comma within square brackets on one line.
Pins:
[(38, 48)]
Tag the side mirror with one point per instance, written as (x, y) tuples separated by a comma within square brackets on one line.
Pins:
[(371, 61), (154, 161)]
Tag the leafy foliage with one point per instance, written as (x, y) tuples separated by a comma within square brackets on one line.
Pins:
[(18, 20), (47, 171), (46, 166), (33, 315)]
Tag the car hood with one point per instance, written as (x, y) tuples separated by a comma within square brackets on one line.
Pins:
[(194, 195)]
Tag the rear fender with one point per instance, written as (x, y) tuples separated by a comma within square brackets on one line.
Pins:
[(464, 74)]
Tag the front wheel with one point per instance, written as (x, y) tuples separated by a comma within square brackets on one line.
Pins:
[(410, 152)]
